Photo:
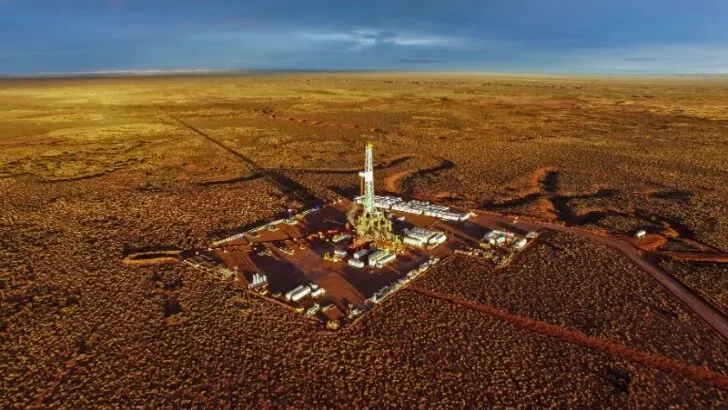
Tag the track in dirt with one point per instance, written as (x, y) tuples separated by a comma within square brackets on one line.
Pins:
[(289, 187), (661, 363), (696, 256), (393, 182), (693, 301), (541, 190), (541, 187)]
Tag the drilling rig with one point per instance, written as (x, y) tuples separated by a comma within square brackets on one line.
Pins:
[(370, 224)]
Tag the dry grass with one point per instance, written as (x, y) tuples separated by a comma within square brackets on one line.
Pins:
[(569, 281), (90, 167)]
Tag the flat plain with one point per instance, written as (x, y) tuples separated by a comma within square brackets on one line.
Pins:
[(93, 167)]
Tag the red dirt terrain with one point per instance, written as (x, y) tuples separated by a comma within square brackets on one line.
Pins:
[(696, 373), (91, 168), (696, 256)]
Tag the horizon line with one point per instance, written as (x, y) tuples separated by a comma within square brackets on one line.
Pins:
[(202, 72)]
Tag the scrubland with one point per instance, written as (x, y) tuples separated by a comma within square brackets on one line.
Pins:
[(569, 281), (90, 168)]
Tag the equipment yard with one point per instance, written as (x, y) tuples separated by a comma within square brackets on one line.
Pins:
[(318, 263), (294, 255)]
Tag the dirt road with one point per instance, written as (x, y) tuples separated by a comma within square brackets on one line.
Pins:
[(694, 302), (664, 364)]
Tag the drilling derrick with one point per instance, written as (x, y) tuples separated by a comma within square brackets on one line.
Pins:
[(370, 223), (367, 180)]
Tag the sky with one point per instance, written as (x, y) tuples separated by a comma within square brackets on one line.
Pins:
[(531, 36)]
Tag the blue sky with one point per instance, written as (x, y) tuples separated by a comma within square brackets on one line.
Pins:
[(562, 36)]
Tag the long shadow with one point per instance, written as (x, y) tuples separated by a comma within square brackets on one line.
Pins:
[(288, 186), (674, 222), (602, 193), (282, 274), (347, 191), (550, 182), (352, 171), (678, 195), (445, 164), (292, 188), (560, 203), (492, 205), (250, 163), (243, 178)]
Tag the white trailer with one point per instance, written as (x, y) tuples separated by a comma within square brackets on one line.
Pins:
[(360, 253), (385, 260), (298, 293), (408, 240), (374, 257), (356, 263)]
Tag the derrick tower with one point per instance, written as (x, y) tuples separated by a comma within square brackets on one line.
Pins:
[(367, 180), (370, 223)]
